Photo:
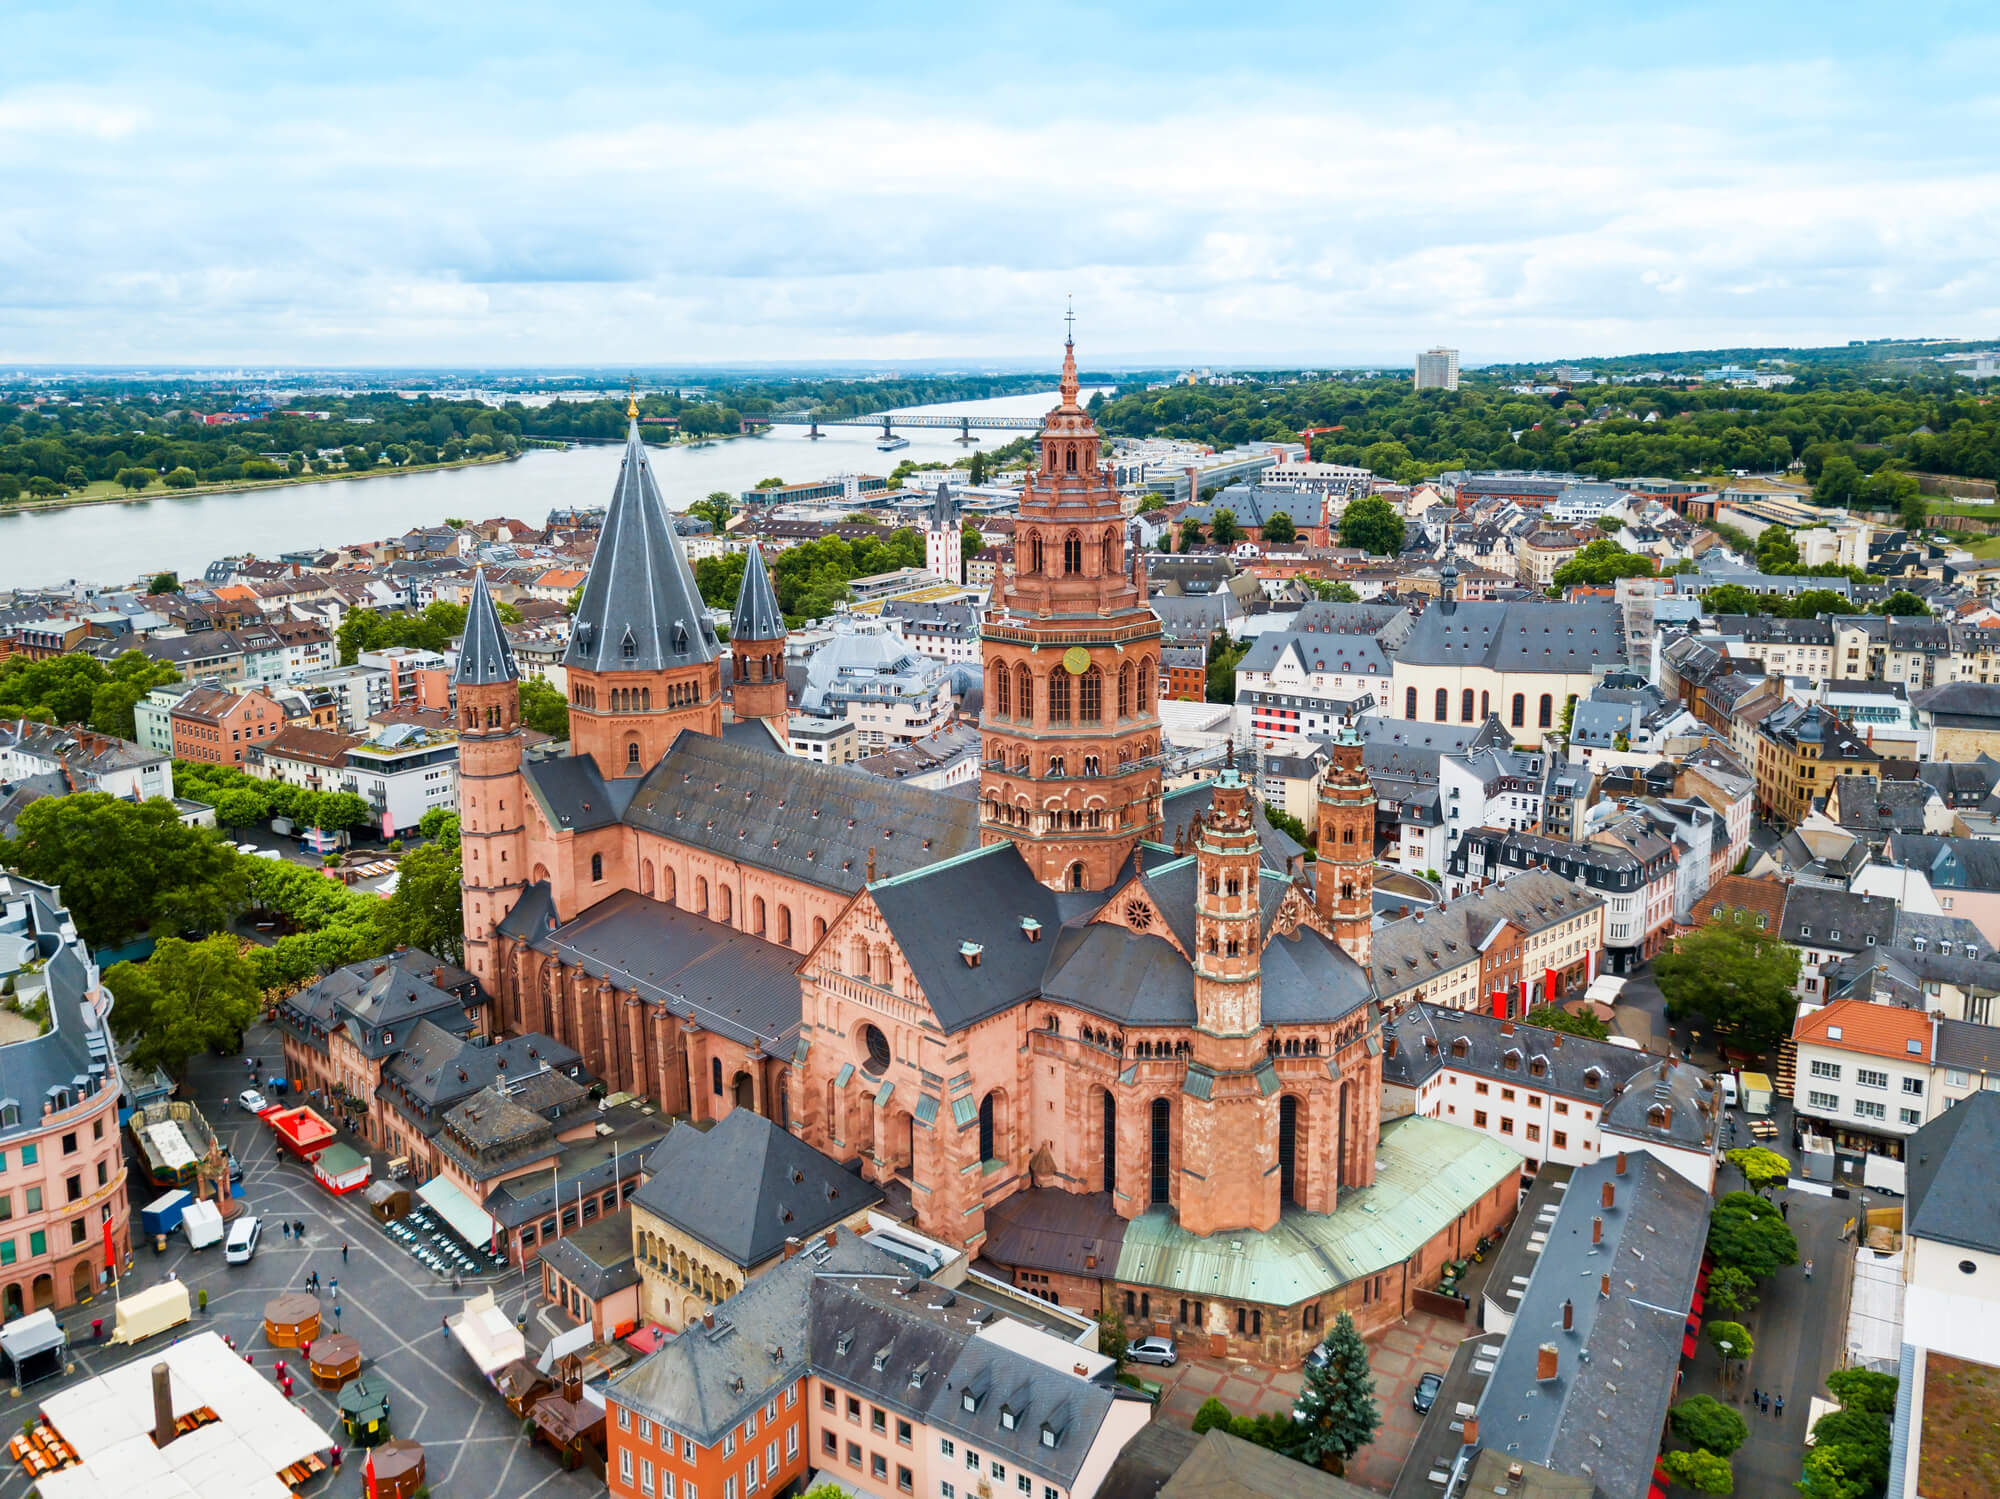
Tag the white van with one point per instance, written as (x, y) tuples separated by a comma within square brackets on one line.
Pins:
[(242, 1242), (1727, 1080)]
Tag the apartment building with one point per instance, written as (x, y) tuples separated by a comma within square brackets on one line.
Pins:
[(839, 1359), (1437, 369), (1783, 647), (80, 759), (1864, 1074), (219, 727), (1540, 553), (1309, 683), (1828, 925), (1636, 892), (1801, 749), (1505, 948), (1557, 1099), (62, 1164)]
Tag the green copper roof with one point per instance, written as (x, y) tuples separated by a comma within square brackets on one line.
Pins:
[(1427, 1173)]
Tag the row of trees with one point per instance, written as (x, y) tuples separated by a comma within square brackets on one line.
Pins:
[(811, 579), (433, 628), (121, 435), (81, 689), (242, 800), (1734, 598)]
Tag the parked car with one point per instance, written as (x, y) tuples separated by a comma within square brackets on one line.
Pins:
[(242, 1241), (1152, 1351), (235, 1168), (1426, 1393), (252, 1101)]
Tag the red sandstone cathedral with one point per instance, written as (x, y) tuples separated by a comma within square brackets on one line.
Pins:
[(1074, 1023)]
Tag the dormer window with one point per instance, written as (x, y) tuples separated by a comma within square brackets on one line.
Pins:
[(1008, 1419), (969, 1401), (628, 647)]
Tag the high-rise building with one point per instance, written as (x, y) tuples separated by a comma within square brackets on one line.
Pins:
[(1437, 369)]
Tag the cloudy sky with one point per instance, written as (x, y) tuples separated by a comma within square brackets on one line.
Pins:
[(516, 184)]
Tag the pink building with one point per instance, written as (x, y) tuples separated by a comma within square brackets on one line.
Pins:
[(62, 1165)]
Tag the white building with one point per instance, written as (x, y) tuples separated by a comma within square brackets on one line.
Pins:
[(1437, 369), (84, 760), (866, 674), (403, 773), (1864, 1075)]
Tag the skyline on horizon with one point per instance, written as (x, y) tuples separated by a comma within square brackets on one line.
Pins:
[(780, 188)]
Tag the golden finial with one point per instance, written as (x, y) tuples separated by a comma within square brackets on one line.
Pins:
[(631, 398)]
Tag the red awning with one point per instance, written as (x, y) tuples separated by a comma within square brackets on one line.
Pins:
[(1687, 1346), (1696, 1308)]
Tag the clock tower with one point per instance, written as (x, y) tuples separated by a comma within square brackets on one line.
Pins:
[(1070, 734)]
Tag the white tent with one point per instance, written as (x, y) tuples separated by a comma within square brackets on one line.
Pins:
[(257, 1433), (467, 1218), (484, 1332)]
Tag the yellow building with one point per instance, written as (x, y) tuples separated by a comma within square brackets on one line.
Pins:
[(1801, 750)]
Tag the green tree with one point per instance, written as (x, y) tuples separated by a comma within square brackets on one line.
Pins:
[(188, 997), (1223, 654), (1703, 1472), (125, 867), (424, 910), (1839, 482), (1334, 593), (976, 470), (1279, 529), (715, 508), (440, 825), (1373, 525), (1149, 503), (1826, 1476), (543, 709), (1222, 527), (1213, 1413), (1903, 603), (1749, 1233), (1731, 1290), (1732, 1340), (164, 583), (1914, 511), (1191, 536), (134, 479), (1740, 980), (1603, 561), (1730, 598), (1111, 1339), (1337, 1412), (1762, 1169), (241, 807), (1864, 1390), (1705, 1422), (1579, 1023), (1862, 1440)]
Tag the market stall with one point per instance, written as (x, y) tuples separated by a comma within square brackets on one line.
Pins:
[(333, 1359), (291, 1319)]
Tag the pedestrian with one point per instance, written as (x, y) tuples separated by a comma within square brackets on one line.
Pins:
[(1785, 1211), (1808, 1269), (343, 1254), (336, 1454), (444, 1324), (1757, 1398), (286, 1229), (333, 1288), (1779, 1401), (299, 1227)]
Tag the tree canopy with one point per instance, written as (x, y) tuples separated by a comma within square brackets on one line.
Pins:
[(1371, 524), (1337, 1412), (543, 709), (81, 689), (1762, 1169), (1604, 561), (424, 909), (1738, 979), (1574, 1023), (126, 867), (1749, 1233), (188, 997), (1705, 1422)]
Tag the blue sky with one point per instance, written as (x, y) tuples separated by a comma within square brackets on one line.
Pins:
[(510, 184)]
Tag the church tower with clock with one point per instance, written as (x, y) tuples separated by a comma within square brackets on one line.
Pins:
[(1071, 727)]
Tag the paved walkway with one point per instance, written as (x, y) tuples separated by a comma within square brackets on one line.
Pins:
[(1420, 1344)]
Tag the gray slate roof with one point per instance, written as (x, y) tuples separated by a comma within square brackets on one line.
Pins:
[(757, 614), (1523, 636), (734, 983), (1815, 913), (484, 656), (640, 609), (1952, 1164), (1602, 1415), (746, 1186)]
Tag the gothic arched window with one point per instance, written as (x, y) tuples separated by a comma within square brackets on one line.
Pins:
[(1125, 690), (1090, 697), (1072, 550), (1003, 682), (1024, 690), (1410, 702), (1443, 705), (1058, 696)]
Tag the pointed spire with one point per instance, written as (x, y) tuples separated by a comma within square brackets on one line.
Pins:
[(757, 614), (640, 609), (1069, 380), (483, 657)]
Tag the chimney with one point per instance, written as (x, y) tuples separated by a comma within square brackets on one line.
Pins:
[(708, 1321), (1390, 1046), (832, 1237), (1621, 1171), (791, 1245), (437, 975), (1597, 1230), (1610, 1195), (163, 1405), (1569, 1315), (1604, 1284), (1472, 1431), (1506, 1027), (1545, 1362)]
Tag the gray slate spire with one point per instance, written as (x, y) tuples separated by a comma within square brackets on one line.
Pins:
[(640, 609), (757, 614), (484, 657), (944, 509)]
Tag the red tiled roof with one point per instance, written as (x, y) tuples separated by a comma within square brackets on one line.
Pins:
[(1878, 1030)]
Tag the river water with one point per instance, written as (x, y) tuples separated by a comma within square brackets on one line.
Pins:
[(114, 544)]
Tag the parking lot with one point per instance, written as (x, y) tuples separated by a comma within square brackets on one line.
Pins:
[(391, 1302)]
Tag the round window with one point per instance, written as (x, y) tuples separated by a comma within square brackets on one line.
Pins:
[(877, 1045), (1966, 1267)]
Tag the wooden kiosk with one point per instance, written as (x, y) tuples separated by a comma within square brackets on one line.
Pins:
[(291, 1319)]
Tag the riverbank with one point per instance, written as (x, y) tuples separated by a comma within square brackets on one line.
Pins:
[(117, 496)]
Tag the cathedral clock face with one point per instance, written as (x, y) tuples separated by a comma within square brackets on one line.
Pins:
[(1076, 660)]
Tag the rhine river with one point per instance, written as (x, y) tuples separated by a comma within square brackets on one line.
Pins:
[(114, 544)]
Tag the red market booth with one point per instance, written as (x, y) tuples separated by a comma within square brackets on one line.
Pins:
[(301, 1131), (341, 1169)]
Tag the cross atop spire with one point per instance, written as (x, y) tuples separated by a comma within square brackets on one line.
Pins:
[(1069, 322), (1069, 380)]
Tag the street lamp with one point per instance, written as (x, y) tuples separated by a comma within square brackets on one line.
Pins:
[(1728, 1353)]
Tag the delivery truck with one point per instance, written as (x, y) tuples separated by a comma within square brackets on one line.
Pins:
[(1756, 1093), (162, 1215)]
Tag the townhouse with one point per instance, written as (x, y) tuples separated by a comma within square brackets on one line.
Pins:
[(1557, 1099), (1864, 1075), (839, 1359), (218, 727), (1634, 883), (1827, 924), (1801, 749), (1520, 941)]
